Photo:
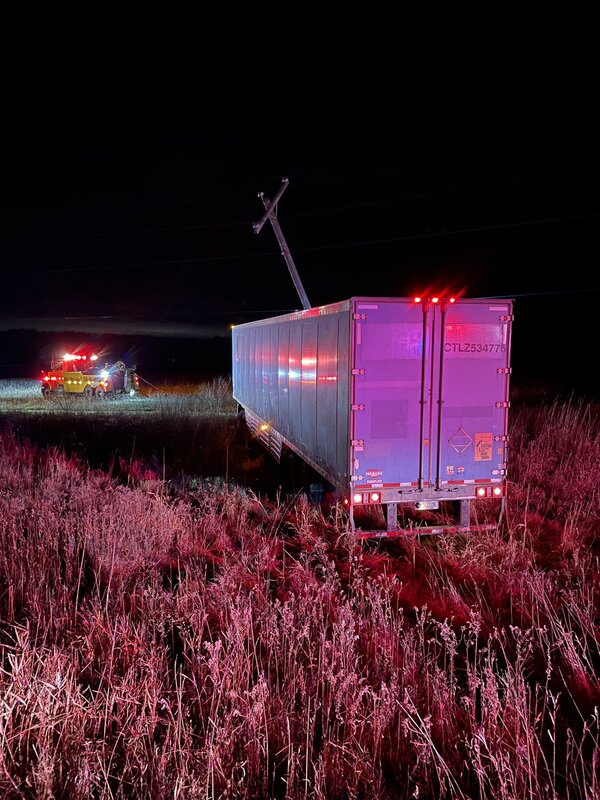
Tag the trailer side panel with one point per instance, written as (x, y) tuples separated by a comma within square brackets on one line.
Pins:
[(293, 373)]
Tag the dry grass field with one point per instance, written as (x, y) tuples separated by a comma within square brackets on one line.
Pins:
[(165, 634)]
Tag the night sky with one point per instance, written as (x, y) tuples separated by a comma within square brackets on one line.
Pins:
[(462, 158)]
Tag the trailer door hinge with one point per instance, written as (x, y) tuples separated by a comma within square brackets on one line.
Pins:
[(503, 404), (358, 406), (355, 478), (358, 442), (358, 372), (359, 316), (504, 438), (507, 318), (498, 472), (504, 370)]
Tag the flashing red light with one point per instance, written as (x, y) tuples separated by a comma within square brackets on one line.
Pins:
[(53, 378), (481, 491), (453, 299), (357, 498), (417, 299), (346, 501), (435, 299), (47, 378), (93, 358), (84, 358), (498, 491), (375, 497)]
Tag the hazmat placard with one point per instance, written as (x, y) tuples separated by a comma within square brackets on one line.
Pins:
[(483, 446)]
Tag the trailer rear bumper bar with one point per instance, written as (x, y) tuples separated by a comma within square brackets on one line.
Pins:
[(429, 530)]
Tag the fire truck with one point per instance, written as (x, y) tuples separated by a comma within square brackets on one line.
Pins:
[(80, 374)]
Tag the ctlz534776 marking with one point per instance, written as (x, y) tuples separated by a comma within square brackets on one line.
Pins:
[(473, 347)]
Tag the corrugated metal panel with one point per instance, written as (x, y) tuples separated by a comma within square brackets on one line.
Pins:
[(295, 387), (283, 418), (344, 361), (327, 391), (308, 384), (293, 373)]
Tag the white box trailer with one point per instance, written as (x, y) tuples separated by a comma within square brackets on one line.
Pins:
[(392, 400)]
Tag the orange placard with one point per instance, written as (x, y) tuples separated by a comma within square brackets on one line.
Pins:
[(483, 446)]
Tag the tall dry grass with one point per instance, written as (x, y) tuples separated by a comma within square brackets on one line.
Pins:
[(177, 431), (210, 644)]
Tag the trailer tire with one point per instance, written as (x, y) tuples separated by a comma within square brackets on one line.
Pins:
[(88, 391), (100, 393), (46, 391)]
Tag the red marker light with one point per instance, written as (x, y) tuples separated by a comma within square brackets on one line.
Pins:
[(435, 299), (453, 300), (498, 491), (357, 498), (481, 492), (417, 299), (375, 497)]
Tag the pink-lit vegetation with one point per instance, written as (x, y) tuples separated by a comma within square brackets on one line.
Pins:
[(209, 644)]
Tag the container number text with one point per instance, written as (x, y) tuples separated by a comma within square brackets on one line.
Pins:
[(466, 347)]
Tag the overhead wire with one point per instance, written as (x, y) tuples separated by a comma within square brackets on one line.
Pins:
[(335, 246), (301, 214)]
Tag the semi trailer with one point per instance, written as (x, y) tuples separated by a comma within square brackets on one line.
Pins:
[(395, 401)]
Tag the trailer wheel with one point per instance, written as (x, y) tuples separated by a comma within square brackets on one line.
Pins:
[(46, 391), (88, 391), (100, 393)]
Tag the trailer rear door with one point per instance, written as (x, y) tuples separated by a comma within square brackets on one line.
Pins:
[(472, 389), (387, 391), (429, 392)]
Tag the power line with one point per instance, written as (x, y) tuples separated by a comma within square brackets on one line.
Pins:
[(68, 215), (137, 264), (339, 245), (117, 210), (454, 232), (555, 292), (434, 192), (300, 214), (134, 232)]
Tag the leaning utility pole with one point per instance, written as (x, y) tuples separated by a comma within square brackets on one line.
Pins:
[(271, 215)]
